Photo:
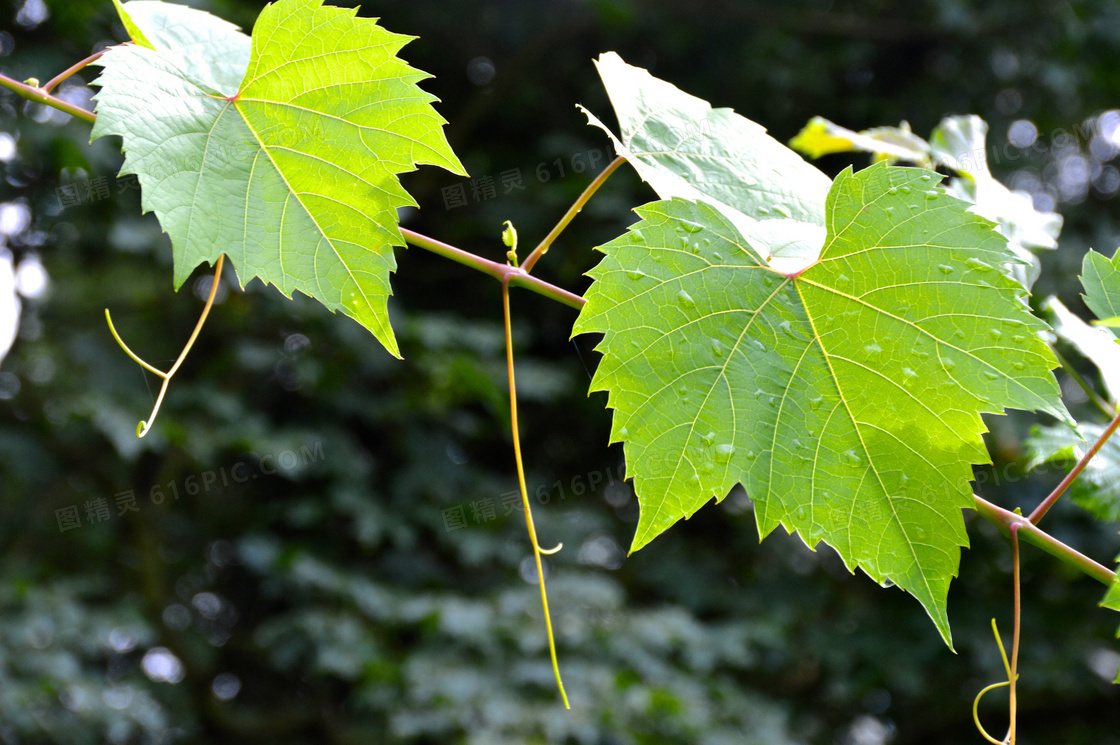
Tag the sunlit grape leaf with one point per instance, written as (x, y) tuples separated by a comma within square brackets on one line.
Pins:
[(822, 137), (1112, 602), (1097, 488), (685, 148), (282, 154), (845, 398), (134, 31), (1101, 279), (1098, 345)]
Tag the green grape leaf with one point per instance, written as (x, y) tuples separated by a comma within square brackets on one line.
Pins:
[(282, 152), (1112, 602), (683, 147), (821, 137), (1097, 488), (1101, 279), (1096, 344), (134, 31), (846, 397)]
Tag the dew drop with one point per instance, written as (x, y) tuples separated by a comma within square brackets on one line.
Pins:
[(1017, 365), (782, 210), (872, 348), (978, 265), (995, 333), (991, 375), (905, 189), (717, 256), (843, 279), (927, 178), (724, 452), (931, 195), (889, 210), (685, 299), (692, 227), (909, 372), (763, 211), (637, 236), (945, 268), (635, 273), (892, 190), (759, 345)]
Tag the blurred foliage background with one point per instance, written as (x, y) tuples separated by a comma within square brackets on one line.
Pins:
[(315, 543)]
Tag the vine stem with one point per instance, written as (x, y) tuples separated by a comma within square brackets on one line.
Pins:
[(505, 273), (1032, 534), (1060, 489), (71, 70), (1013, 676), (38, 95), (577, 206), (537, 550), (146, 425)]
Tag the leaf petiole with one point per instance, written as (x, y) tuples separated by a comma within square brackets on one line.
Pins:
[(543, 246)]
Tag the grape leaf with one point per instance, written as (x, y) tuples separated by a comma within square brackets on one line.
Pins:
[(1101, 279), (820, 137), (1112, 601), (282, 152), (846, 398), (134, 31), (1096, 344), (960, 144), (685, 148), (1097, 488)]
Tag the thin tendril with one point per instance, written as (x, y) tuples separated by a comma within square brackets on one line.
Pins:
[(145, 425), (537, 550)]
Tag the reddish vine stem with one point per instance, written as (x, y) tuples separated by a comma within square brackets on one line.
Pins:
[(70, 71), (1060, 489), (511, 275), (577, 206), (537, 550), (1013, 705), (38, 95), (1032, 534)]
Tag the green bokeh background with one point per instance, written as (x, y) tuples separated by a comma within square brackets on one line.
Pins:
[(298, 581)]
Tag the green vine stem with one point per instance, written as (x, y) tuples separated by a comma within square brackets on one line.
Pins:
[(537, 550), (38, 95), (145, 425), (1059, 490), (1032, 534), (577, 206)]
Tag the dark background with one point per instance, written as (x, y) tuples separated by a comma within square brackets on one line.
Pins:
[(323, 598)]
